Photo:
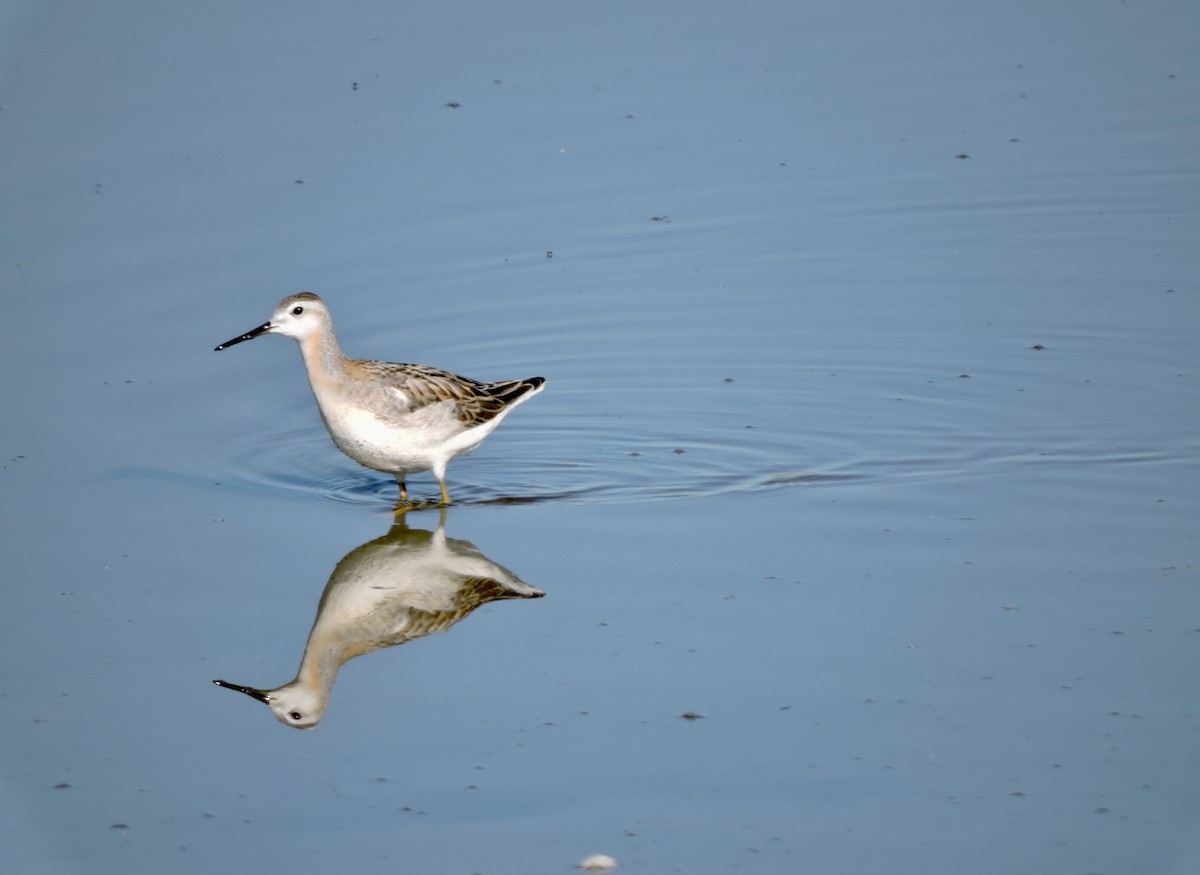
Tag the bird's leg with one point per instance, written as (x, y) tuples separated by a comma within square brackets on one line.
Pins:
[(403, 489), (445, 492)]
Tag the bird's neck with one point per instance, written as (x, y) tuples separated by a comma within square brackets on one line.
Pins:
[(322, 356)]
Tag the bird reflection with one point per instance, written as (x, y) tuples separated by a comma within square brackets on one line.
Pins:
[(389, 591)]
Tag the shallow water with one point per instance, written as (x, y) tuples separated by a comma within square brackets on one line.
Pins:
[(881, 460)]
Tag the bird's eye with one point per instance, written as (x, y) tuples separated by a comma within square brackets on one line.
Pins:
[(296, 715), (296, 311)]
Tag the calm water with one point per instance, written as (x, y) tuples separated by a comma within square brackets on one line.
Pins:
[(870, 438)]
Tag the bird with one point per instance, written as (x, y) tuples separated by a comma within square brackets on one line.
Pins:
[(391, 417), (393, 590)]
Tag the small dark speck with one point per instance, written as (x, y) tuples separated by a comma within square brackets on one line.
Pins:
[(691, 715), (119, 826), (962, 156), (1016, 793), (299, 182), (1170, 291), (1101, 810), (634, 453), (663, 218), (454, 104), (63, 786), (497, 82), (628, 115), (353, 86), (1038, 347), (549, 253), (729, 379), (1014, 139), (964, 376), (679, 452)]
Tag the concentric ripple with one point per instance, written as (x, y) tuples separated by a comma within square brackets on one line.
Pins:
[(686, 443), (579, 457)]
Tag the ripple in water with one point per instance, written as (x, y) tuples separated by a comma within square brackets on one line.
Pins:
[(660, 445), (590, 459)]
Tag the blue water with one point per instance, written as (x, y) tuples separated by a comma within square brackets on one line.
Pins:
[(869, 435)]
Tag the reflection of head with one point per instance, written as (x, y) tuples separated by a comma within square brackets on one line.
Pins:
[(291, 704), (296, 706)]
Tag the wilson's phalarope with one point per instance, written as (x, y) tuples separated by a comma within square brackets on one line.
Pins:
[(391, 417)]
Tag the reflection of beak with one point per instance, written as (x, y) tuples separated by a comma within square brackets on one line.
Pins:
[(261, 695), (249, 335)]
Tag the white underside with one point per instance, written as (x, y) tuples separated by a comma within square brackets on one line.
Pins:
[(421, 441)]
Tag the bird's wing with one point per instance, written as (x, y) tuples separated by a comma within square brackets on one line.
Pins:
[(411, 388)]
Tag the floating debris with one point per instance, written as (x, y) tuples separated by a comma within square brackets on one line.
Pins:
[(597, 863)]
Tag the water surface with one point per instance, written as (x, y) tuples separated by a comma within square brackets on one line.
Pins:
[(869, 441)]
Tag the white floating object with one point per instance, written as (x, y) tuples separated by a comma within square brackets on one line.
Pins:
[(598, 863)]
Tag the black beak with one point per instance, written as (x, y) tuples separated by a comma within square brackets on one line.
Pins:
[(261, 695), (249, 335)]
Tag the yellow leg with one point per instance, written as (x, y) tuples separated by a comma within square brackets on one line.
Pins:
[(445, 493), (403, 490)]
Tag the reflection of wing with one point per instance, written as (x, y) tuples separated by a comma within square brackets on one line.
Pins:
[(475, 591)]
